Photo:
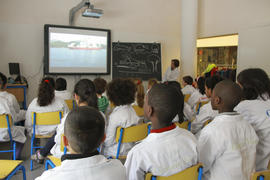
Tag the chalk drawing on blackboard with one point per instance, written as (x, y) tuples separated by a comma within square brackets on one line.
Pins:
[(137, 60)]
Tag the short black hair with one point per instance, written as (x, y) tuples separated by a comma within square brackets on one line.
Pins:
[(229, 92), (188, 80), (201, 85), (211, 82), (255, 83), (177, 86), (60, 84), (86, 91), (175, 62), (100, 85), (166, 102), (121, 91), (3, 80), (84, 128)]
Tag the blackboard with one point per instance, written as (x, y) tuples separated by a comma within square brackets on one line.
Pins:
[(136, 60)]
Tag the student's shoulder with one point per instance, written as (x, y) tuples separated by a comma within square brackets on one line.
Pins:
[(49, 174)]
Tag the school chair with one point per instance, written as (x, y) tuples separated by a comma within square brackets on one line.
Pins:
[(199, 105), (6, 122), (70, 103), (187, 96), (48, 118), (130, 134), (184, 125), (54, 161), (192, 173), (261, 175), (139, 111), (9, 167)]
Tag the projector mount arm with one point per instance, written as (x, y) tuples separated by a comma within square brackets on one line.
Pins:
[(83, 3)]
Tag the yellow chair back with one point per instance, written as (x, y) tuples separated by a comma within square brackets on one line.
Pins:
[(70, 103), (183, 125), (139, 111), (133, 133), (3, 120), (48, 118), (187, 96), (265, 174), (191, 173)]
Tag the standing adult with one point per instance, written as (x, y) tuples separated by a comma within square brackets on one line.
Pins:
[(172, 73)]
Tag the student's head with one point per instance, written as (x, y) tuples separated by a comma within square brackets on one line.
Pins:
[(100, 85), (162, 104), (187, 80), (121, 91), (60, 84), (174, 64), (84, 130), (139, 92), (177, 86), (85, 93), (254, 83), (226, 95), (210, 84), (201, 85), (3, 81), (46, 91), (151, 83)]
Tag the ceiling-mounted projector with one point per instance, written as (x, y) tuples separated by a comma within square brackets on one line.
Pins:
[(91, 12)]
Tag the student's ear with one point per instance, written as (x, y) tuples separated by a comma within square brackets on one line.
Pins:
[(149, 111), (65, 141)]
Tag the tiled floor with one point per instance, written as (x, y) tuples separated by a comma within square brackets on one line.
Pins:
[(30, 175)]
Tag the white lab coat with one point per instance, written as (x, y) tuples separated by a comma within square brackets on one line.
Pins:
[(257, 113), (206, 113), (188, 89), (162, 154), (13, 104), (227, 148), (57, 104), (124, 116), (16, 131), (171, 75), (93, 168), (194, 98), (56, 149), (63, 94)]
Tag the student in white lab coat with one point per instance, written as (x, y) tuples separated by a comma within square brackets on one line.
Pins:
[(83, 133), (227, 146), (11, 99), (168, 149), (255, 108), (206, 112), (187, 83), (85, 95), (198, 95), (45, 102), (121, 92), (61, 89), (17, 132), (172, 73)]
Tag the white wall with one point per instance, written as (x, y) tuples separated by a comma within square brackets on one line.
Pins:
[(248, 18), (21, 30)]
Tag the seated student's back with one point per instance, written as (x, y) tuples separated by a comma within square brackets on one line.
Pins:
[(168, 149), (84, 131), (121, 93), (61, 89), (255, 108), (227, 146)]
